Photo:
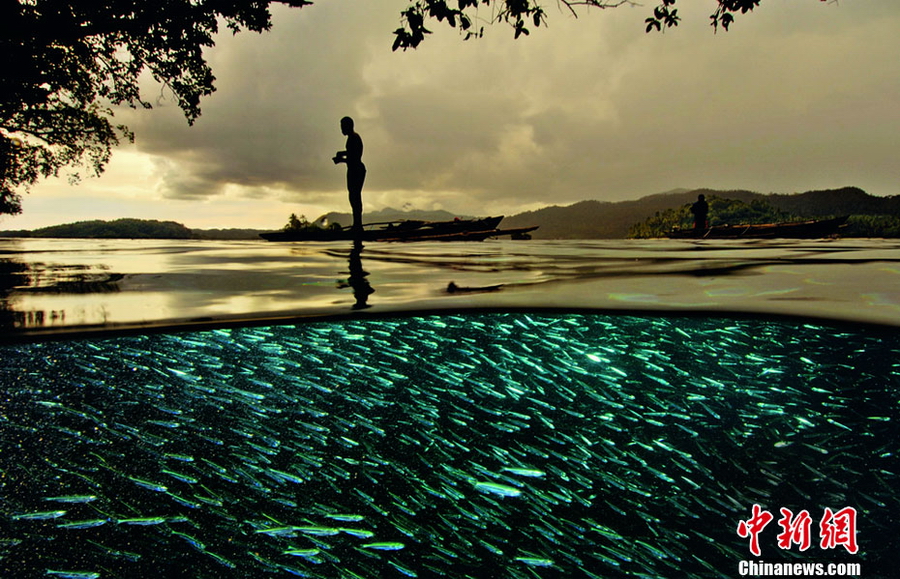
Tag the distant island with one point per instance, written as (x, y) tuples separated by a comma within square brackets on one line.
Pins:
[(650, 216), (116, 229)]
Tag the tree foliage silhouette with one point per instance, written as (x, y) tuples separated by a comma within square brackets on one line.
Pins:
[(469, 16), (67, 62)]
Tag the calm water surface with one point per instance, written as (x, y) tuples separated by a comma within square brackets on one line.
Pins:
[(60, 284), (555, 417)]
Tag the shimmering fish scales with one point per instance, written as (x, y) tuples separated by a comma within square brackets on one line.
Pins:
[(302, 552), (42, 516), (72, 499), (527, 472), (318, 531), (146, 521), (497, 489), (83, 524), (386, 546), (346, 518), (278, 531), (361, 533), (148, 485), (535, 561)]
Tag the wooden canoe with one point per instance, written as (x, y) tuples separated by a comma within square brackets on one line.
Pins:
[(813, 229), (458, 230)]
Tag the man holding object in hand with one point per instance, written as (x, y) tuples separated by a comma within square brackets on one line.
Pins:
[(356, 171)]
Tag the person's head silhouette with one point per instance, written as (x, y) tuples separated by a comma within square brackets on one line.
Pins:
[(346, 126)]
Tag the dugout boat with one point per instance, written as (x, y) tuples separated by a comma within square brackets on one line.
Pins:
[(813, 229), (405, 230)]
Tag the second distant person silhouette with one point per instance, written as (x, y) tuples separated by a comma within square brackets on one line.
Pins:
[(356, 171), (700, 209)]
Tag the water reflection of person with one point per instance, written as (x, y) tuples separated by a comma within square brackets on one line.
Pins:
[(357, 279), (356, 171), (700, 209)]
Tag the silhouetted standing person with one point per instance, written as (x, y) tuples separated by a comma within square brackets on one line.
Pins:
[(356, 171), (700, 209)]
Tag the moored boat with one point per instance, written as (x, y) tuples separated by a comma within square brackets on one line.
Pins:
[(404, 230), (813, 229)]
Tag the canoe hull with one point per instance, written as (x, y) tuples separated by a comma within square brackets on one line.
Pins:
[(459, 230), (814, 229)]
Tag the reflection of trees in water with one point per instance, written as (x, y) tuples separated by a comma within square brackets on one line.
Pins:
[(18, 278), (12, 274), (41, 278), (32, 319)]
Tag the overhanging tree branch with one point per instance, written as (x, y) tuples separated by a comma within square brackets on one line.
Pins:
[(61, 58), (522, 13)]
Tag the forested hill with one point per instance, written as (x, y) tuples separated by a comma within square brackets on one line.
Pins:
[(605, 220), (846, 201), (116, 229), (133, 229)]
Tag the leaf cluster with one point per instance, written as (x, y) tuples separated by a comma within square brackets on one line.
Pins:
[(67, 63), (724, 14), (886, 226), (296, 223), (663, 15), (519, 14), (666, 15), (303, 224), (462, 14)]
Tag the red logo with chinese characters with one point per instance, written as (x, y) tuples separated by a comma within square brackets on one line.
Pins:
[(839, 529), (835, 528)]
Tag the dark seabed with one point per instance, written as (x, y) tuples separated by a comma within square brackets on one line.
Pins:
[(479, 444)]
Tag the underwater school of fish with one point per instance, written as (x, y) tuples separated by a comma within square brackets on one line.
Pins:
[(478, 445)]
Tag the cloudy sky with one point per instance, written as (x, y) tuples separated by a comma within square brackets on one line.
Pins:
[(799, 95)]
